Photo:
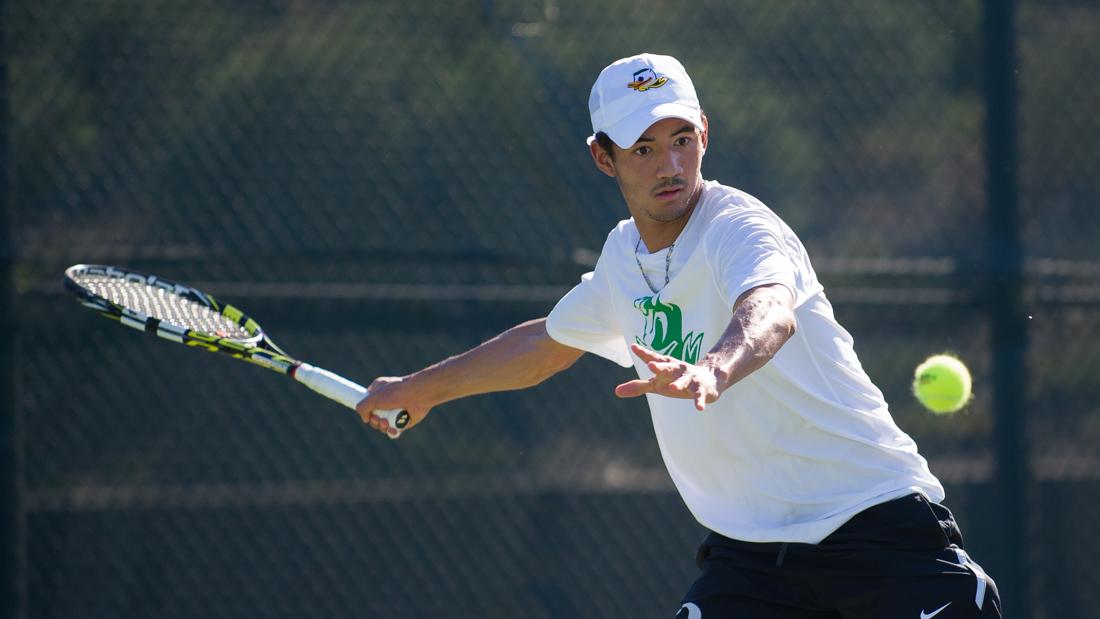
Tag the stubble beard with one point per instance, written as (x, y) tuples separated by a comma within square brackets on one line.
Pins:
[(667, 214), (676, 210)]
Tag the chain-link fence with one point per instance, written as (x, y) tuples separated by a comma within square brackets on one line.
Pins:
[(383, 184)]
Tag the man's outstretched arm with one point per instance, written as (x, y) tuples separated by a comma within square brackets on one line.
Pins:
[(521, 357)]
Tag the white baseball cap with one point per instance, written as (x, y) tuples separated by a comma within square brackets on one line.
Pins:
[(633, 93)]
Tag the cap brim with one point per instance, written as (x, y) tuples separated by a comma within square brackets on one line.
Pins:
[(627, 131)]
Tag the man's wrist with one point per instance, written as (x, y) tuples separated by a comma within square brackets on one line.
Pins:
[(713, 364), (421, 385)]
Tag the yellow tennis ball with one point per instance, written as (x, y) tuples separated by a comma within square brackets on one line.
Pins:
[(942, 384)]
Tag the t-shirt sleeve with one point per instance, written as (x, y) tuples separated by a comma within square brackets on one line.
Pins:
[(584, 319), (748, 250)]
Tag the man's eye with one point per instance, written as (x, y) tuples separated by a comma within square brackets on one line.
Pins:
[(642, 150), (683, 141)]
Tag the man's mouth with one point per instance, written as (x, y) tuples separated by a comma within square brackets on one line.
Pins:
[(669, 192)]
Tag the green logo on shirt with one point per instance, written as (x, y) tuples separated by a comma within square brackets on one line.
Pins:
[(664, 330)]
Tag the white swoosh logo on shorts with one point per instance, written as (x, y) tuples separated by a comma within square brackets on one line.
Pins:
[(693, 611), (924, 615)]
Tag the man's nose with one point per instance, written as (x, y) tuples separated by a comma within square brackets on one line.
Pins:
[(671, 165)]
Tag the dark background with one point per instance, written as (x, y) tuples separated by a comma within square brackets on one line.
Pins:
[(382, 184)]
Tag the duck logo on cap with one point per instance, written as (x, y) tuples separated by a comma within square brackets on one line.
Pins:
[(647, 78)]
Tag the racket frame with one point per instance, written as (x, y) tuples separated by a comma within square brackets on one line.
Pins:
[(257, 348)]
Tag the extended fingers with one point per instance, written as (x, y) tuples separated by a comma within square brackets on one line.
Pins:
[(646, 354), (671, 377), (688, 385), (680, 387), (683, 383), (701, 400), (669, 370), (634, 388), (665, 367)]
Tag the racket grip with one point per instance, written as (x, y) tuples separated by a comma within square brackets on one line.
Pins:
[(346, 392)]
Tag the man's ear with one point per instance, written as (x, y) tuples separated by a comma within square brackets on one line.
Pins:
[(602, 160), (705, 137)]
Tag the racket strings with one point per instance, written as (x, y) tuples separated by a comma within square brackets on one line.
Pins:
[(163, 305)]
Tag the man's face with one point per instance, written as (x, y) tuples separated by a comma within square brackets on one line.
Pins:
[(660, 175)]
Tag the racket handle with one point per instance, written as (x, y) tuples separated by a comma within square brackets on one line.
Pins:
[(346, 392)]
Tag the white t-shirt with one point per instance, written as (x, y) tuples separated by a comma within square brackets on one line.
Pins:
[(795, 449)]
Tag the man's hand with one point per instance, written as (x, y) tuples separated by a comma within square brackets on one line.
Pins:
[(672, 378), (763, 320), (390, 393)]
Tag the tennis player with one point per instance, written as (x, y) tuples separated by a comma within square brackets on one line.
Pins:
[(819, 506)]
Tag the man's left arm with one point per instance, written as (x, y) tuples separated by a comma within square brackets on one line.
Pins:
[(763, 320)]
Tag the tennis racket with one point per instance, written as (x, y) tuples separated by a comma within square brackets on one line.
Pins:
[(188, 316)]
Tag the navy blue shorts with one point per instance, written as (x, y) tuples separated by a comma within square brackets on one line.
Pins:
[(902, 559)]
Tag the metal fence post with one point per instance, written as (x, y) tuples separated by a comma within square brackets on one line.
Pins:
[(1005, 306), (9, 521)]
